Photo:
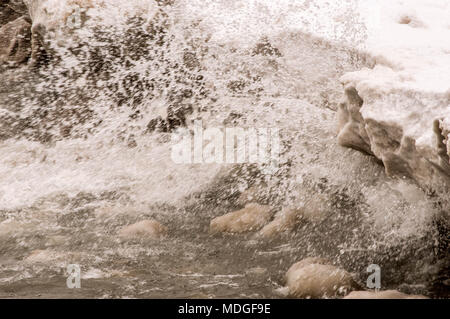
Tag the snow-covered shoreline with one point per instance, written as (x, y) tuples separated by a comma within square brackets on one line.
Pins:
[(390, 110)]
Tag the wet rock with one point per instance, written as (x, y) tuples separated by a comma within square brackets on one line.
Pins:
[(314, 211), (388, 294), (15, 41), (285, 220), (11, 10), (351, 124), (144, 229), (250, 218), (442, 133), (315, 278)]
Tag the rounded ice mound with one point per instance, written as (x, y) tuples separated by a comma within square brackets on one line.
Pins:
[(250, 218), (316, 278), (314, 211), (285, 220), (388, 294), (144, 229)]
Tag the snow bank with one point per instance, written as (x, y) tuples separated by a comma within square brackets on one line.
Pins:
[(399, 110)]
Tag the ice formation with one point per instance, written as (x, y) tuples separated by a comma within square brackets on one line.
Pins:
[(250, 218), (144, 229), (398, 109), (316, 278)]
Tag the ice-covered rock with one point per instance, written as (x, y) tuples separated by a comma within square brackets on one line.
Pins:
[(316, 278), (399, 109), (315, 210), (250, 218), (144, 229), (388, 294), (284, 220)]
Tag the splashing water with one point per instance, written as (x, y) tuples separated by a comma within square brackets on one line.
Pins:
[(86, 150)]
